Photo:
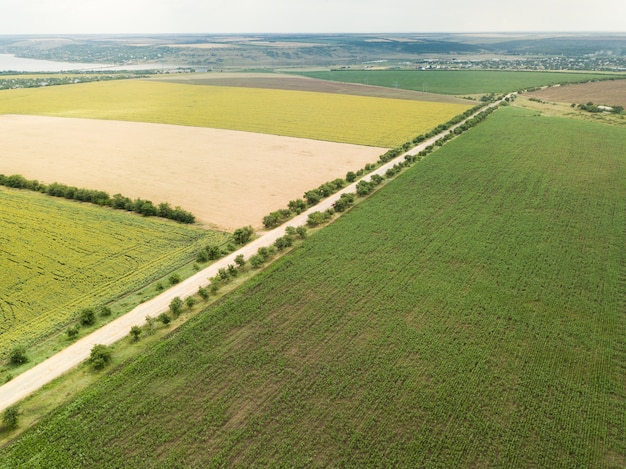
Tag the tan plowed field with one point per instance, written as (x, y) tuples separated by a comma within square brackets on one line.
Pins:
[(226, 178)]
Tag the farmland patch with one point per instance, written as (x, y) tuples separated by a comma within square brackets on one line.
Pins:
[(225, 178), (358, 120), (602, 92), (58, 257), (455, 82), (301, 83)]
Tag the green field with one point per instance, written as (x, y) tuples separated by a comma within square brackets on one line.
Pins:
[(454, 82), (58, 257), (352, 119), (469, 314)]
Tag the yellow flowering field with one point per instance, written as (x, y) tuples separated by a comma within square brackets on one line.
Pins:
[(380, 122), (58, 257)]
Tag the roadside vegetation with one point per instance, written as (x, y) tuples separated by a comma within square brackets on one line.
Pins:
[(456, 82), (467, 314)]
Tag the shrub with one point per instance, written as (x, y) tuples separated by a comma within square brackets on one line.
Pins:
[(164, 319), (256, 261), (104, 311), (72, 332), (100, 356), (204, 293), (10, 417), (87, 317), (135, 332), (18, 356), (176, 306)]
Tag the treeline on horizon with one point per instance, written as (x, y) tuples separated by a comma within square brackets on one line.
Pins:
[(117, 201)]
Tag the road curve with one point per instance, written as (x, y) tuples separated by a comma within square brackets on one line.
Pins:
[(31, 380)]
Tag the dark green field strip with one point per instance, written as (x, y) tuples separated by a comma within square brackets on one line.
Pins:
[(454, 82), (469, 314)]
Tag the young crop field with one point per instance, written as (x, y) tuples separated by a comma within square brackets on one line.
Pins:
[(58, 257), (361, 120), (469, 314), (452, 81)]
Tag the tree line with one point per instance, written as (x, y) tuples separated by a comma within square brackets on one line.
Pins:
[(117, 201), (314, 196)]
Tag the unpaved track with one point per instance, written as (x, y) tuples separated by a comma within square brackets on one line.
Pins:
[(33, 379)]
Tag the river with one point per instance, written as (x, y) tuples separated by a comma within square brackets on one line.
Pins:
[(9, 62)]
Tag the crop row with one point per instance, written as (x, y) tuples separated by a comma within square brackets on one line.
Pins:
[(59, 257)]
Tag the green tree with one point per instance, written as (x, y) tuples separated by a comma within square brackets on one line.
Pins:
[(104, 311), (243, 235), (256, 261), (72, 332), (190, 301), (204, 293), (164, 319), (100, 356), (10, 417), (174, 279), (135, 332), (176, 306), (87, 317), (297, 206), (283, 242), (18, 356)]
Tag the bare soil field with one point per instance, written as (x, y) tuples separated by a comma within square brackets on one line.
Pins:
[(228, 179), (300, 83), (600, 92)]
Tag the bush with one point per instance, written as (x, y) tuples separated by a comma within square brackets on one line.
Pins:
[(301, 232), (87, 317), (283, 242), (100, 356), (18, 356), (190, 301), (256, 261), (10, 417), (317, 218), (72, 332), (174, 279), (135, 332), (204, 293), (176, 306), (243, 235), (164, 319), (104, 311)]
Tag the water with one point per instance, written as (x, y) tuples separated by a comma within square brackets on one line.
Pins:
[(9, 62)]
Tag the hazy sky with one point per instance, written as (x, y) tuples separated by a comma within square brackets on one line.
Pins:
[(288, 16)]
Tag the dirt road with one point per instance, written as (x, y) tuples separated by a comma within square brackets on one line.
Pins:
[(31, 380)]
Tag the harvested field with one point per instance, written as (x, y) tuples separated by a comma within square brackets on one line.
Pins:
[(301, 83), (600, 92), (226, 178)]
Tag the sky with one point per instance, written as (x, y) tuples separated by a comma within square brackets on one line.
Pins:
[(307, 16)]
